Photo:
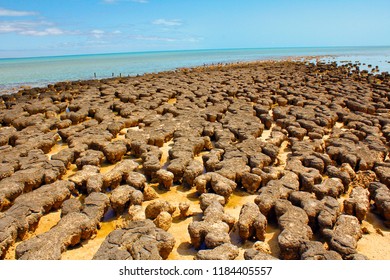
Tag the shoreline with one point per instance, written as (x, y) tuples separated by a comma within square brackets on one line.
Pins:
[(278, 131), (340, 58), (14, 89)]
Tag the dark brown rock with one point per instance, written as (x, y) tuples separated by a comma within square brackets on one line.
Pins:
[(308, 177), (328, 215), (267, 174), (358, 203), (90, 157), (251, 223), (70, 230), (193, 170), (72, 205), (208, 198), (139, 240), (251, 182), (297, 132), (94, 183), (81, 176), (218, 183), (358, 155), (27, 210), (67, 156), (274, 190), (341, 174), (214, 229), (151, 164), (115, 151), (136, 180), (124, 195), (294, 229), (309, 203), (329, 187), (165, 179), (383, 174), (222, 252), (314, 250), (156, 207), (119, 173), (381, 196), (252, 254), (345, 234), (212, 159)]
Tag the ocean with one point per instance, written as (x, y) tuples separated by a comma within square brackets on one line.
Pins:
[(41, 71)]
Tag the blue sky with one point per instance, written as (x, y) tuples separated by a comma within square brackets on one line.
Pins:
[(53, 27)]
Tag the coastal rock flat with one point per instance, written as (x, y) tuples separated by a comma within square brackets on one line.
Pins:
[(199, 163)]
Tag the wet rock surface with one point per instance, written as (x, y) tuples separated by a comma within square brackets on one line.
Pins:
[(191, 160)]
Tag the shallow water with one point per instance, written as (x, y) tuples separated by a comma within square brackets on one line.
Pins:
[(40, 71)]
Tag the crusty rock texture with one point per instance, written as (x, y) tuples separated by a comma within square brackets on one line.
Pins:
[(222, 252), (139, 240), (71, 230), (214, 228), (251, 223), (380, 194), (293, 222), (28, 209), (358, 203), (345, 234)]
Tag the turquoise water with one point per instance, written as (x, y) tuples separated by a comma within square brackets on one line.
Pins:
[(41, 71)]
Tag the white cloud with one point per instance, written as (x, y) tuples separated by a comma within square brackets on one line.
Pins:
[(8, 27), (14, 13), (27, 27), (44, 28), (97, 33), (193, 39), (152, 38), (19, 26), (44, 32), (166, 22), (30, 28)]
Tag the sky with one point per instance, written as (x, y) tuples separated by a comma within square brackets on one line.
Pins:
[(53, 27)]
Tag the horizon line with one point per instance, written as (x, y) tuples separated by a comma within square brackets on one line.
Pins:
[(189, 50)]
